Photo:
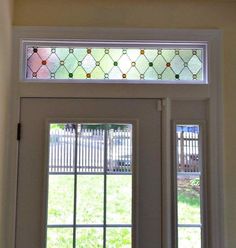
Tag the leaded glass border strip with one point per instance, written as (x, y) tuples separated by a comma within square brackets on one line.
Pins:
[(174, 63)]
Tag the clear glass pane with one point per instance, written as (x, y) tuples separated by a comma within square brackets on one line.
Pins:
[(119, 199), (59, 238), (189, 237), (118, 237), (89, 238), (90, 196), (60, 199), (189, 211)]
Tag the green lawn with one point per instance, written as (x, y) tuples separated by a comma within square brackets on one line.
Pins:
[(90, 205)]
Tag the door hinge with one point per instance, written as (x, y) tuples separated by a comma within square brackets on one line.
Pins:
[(18, 135)]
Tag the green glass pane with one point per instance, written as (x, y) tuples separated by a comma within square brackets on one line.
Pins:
[(189, 237), (115, 53), (97, 73), (90, 196), (89, 238), (80, 53), (79, 73), (151, 54), (62, 52), (62, 73), (186, 55), (186, 74), (59, 238), (189, 210), (200, 75), (98, 53), (119, 199), (168, 74), (159, 64), (88, 63), (142, 64), (168, 54), (106, 63), (118, 237), (60, 199), (133, 74), (177, 64), (194, 64), (150, 74), (71, 63)]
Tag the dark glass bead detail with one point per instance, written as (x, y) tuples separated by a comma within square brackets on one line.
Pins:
[(35, 50), (97, 63), (34, 74), (150, 64), (194, 52), (70, 75), (123, 75), (44, 62), (88, 75), (115, 63), (168, 64), (71, 50), (177, 76), (142, 51), (88, 51)]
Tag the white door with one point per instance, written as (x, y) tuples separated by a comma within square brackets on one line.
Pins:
[(89, 174)]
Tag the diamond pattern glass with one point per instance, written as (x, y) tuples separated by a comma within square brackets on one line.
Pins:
[(155, 64)]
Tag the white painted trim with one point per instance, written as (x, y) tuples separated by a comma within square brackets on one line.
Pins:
[(212, 92)]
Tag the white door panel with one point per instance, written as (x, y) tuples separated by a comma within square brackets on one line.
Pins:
[(32, 171)]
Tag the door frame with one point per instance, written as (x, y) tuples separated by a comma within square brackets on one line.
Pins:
[(210, 93)]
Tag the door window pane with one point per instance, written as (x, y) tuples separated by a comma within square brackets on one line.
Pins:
[(89, 185), (189, 186)]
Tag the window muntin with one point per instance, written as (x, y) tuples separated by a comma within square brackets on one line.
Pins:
[(90, 185), (189, 185), (155, 64)]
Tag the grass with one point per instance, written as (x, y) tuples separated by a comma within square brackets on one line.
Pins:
[(90, 200)]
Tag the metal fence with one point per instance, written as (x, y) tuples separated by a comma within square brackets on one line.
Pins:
[(188, 151), (85, 150)]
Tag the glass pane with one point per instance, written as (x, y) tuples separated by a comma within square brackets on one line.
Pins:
[(119, 199), (118, 237), (189, 211), (59, 238), (115, 63), (60, 199), (189, 237), (90, 196), (89, 238)]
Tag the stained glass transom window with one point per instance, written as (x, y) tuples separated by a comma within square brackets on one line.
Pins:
[(100, 63)]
